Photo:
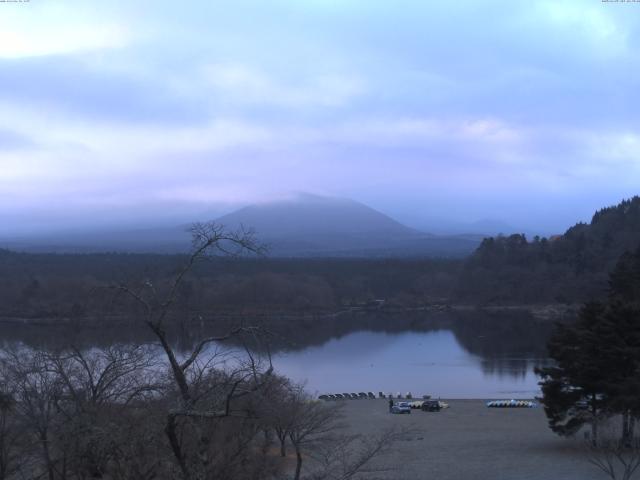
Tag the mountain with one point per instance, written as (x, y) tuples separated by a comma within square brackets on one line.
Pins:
[(310, 215), (312, 225), (302, 226)]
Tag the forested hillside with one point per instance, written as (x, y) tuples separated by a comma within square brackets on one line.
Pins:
[(50, 285), (569, 268), (509, 270)]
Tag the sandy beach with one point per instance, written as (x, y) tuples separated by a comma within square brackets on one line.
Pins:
[(471, 441)]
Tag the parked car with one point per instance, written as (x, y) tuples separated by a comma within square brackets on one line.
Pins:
[(430, 406), (401, 407), (581, 405)]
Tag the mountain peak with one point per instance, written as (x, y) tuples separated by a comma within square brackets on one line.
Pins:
[(308, 215)]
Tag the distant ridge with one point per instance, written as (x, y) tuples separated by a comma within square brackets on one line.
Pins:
[(308, 214), (313, 225), (304, 225)]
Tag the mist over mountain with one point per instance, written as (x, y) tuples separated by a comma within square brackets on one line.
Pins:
[(309, 225), (491, 226), (301, 226), (484, 227), (307, 215)]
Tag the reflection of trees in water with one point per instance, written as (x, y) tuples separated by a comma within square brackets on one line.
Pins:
[(516, 368), (508, 344)]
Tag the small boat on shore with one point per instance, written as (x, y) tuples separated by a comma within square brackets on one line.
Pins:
[(511, 404)]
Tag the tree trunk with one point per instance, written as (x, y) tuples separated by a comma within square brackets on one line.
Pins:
[(283, 448), (170, 431), (268, 441), (298, 463), (594, 422), (625, 428), (47, 456), (203, 451), (178, 374)]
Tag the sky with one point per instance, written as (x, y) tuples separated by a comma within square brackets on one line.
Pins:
[(437, 113)]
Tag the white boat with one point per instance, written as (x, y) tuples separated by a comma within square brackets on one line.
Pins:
[(511, 404)]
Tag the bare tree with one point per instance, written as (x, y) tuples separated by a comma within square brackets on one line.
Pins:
[(98, 386), (11, 438), (139, 449), (73, 404), (311, 422), (115, 375), (343, 457), (190, 374), (36, 391), (316, 431), (281, 400), (618, 458)]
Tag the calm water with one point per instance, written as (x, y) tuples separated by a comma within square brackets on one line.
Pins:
[(432, 363), (449, 356)]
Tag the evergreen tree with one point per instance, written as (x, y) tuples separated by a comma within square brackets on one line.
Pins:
[(574, 389), (624, 281), (597, 360)]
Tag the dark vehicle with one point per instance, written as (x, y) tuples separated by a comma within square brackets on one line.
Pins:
[(338, 396), (581, 405), (362, 395), (430, 406), (371, 395), (346, 395)]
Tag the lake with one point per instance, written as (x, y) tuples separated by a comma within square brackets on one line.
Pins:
[(433, 363), (453, 355)]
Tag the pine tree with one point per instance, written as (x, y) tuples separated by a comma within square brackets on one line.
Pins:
[(574, 389), (597, 360)]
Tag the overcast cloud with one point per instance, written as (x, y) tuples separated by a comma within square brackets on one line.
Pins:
[(525, 112)]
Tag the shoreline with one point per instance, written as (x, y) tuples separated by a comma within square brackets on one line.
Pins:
[(471, 441), (540, 312)]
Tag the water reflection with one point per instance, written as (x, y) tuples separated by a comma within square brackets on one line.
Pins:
[(455, 354), (432, 363)]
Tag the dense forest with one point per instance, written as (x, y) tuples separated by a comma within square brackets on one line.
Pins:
[(44, 285), (504, 270), (568, 268)]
